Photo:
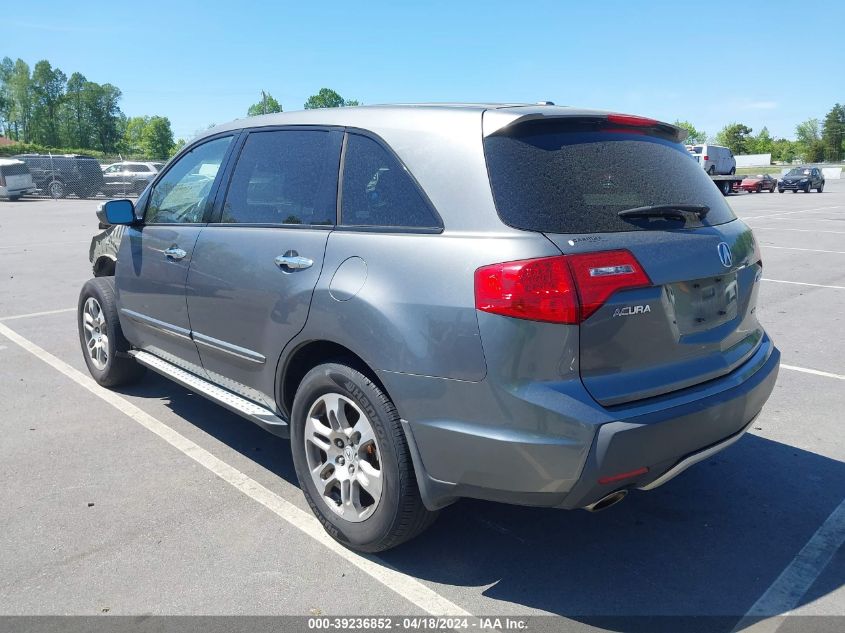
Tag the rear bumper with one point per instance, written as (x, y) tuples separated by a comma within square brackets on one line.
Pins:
[(6, 192), (559, 462)]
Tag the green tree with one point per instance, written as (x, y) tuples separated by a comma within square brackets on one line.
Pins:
[(133, 134), (76, 128), (157, 137), (809, 139), (833, 133), (784, 150), (17, 98), (762, 143), (101, 106), (48, 92), (267, 105), (694, 136), (735, 136), (328, 98)]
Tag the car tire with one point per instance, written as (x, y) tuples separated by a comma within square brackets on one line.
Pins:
[(712, 170), (780, 190), (725, 187), (370, 439), (14, 198), (759, 189), (56, 189), (105, 349), (820, 188), (732, 171), (807, 188)]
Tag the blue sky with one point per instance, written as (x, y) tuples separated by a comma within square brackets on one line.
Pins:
[(206, 62)]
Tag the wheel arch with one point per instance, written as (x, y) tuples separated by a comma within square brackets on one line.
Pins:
[(104, 266), (307, 355)]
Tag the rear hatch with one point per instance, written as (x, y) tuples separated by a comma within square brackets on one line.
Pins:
[(15, 176), (693, 318), (90, 173)]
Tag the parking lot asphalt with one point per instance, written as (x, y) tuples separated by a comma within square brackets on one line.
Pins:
[(151, 500)]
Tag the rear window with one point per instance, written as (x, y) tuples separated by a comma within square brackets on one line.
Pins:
[(16, 169), (548, 178)]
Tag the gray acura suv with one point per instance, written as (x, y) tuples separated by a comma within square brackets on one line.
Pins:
[(530, 304)]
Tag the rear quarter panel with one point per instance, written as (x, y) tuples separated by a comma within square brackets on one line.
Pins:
[(411, 307)]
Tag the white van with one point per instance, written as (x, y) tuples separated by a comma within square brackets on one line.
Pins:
[(714, 159), (15, 179)]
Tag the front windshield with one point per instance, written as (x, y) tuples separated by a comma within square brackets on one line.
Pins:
[(798, 172)]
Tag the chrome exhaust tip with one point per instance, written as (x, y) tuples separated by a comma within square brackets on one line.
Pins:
[(605, 502)]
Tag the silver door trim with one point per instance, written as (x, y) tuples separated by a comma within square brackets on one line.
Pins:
[(228, 348), (158, 326)]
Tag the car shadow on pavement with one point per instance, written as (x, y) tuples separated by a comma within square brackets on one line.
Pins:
[(708, 543)]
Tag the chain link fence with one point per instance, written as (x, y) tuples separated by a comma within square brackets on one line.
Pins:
[(85, 177)]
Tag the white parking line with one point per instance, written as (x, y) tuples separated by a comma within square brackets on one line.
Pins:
[(36, 314), (780, 228), (803, 283), (406, 586), (39, 244), (772, 215), (803, 220), (815, 372), (808, 250), (787, 590)]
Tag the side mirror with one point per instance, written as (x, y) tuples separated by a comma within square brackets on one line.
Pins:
[(116, 212)]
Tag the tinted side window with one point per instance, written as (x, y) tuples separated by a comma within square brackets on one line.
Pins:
[(285, 177), (378, 190), (182, 195)]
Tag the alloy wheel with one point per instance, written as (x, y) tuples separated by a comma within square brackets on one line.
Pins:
[(343, 457), (96, 335)]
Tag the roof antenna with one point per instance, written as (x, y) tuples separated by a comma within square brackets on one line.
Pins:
[(545, 103)]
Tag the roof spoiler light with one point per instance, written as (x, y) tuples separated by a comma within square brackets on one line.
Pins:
[(631, 120)]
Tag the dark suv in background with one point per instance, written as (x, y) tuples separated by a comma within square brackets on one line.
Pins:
[(529, 304), (60, 176), (805, 178)]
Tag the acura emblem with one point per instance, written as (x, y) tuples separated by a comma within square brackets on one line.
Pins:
[(725, 254)]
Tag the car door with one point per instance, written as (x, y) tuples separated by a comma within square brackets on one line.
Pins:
[(155, 255), (111, 177), (255, 265)]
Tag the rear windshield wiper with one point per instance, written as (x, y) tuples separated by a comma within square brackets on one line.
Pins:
[(672, 211)]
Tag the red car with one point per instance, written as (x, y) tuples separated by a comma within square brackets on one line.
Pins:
[(759, 183)]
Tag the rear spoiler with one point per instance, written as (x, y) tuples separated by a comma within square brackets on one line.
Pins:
[(502, 120)]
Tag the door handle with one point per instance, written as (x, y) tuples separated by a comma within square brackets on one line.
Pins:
[(293, 262), (174, 252)]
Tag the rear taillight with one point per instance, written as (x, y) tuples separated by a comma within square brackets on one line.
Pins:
[(599, 275), (706, 157), (563, 289), (534, 289)]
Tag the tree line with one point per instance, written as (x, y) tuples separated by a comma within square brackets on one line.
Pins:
[(43, 108), (325, 98), (815, 141)]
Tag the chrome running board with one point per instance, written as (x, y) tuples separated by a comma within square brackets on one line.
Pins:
[(262, 416)]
